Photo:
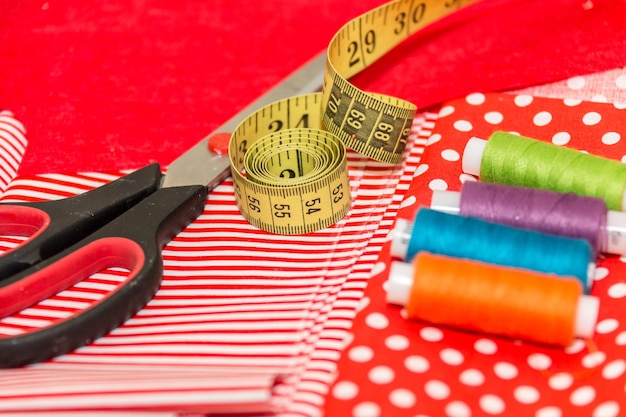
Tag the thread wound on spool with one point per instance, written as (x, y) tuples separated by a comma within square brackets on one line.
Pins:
[(472, 238), (486, 298), (519, 160), (561, 214)]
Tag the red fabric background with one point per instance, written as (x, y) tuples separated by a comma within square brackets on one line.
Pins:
[(116, 84)]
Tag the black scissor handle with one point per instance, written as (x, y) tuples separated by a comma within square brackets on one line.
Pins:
[(133, 241), (54, 225)]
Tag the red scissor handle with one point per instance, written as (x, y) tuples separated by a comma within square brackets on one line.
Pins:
[(16, 220), (109, 252), (52, 226), (132, 241)]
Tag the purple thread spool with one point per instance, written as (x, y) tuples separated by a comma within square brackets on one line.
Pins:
[(562, 214)]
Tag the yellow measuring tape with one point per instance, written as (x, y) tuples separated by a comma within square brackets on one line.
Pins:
[(288, 159)]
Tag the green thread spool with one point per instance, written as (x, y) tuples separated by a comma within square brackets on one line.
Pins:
[(517, 160)]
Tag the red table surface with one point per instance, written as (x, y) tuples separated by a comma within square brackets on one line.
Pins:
[(117, 84)]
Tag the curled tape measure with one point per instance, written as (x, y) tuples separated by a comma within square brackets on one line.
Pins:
[(288, 159)]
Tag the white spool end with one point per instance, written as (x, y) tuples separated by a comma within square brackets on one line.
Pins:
[(586, 316), (615, 233), (399, 283), (473, 155), (400, 238), (446, 201)]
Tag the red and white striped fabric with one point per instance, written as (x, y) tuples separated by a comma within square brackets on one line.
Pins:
[(244, 320), (12, 147)]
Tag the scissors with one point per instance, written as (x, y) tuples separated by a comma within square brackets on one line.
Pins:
[(125, 224)]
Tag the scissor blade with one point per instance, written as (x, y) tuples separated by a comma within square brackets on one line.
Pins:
[(199, 166)]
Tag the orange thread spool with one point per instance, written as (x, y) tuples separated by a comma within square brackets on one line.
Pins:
[(485, 298)]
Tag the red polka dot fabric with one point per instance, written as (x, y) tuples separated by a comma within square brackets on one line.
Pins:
[(396, 367)]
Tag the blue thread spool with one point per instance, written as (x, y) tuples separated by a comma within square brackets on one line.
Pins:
[(471, 238), (562, 214)]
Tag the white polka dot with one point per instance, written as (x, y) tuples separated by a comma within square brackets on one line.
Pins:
[(539, 361), (380, 267), (542, 118), (463, 126), (607, 326), (583, 395), (523, 100), (619, 105), (437, 390), (458, 409), (617, 290), (450, 155), (592, 118), (593, 359), (409, 201), (451, 356), (505, 370), (526, 394), (345, 390), (377, 320), (485, 346), (561, 381), (431, 334), (417, 364), (446, 111), (472, 377), (438, 184), (601, 272), (397, 342), (475, 99), (494, 117), (620, 340), (571, 102), (549, 411), (381, 374), (621, 82), (422, 168), (611, 138), (433, 139), (607, 409), (361, 354), (576, 347), (363, 302), (599, 98), (614, 369), (561, 138), (402, 398), (366, 409), (576, 83), (491, 404), (466, 177)]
